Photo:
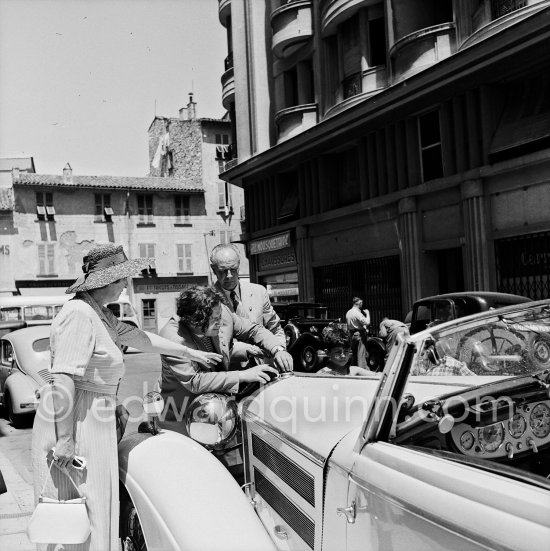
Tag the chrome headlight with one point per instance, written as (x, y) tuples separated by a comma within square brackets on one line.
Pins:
[(211, 419)]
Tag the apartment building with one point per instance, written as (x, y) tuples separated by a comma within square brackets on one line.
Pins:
[(391, 149)]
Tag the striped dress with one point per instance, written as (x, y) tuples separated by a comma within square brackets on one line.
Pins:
[(82, 341)]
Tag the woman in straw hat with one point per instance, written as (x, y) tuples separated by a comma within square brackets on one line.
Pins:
[(76, 411)]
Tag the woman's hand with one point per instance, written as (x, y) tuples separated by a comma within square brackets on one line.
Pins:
[(64, 451), (258, 374), (209, 359)]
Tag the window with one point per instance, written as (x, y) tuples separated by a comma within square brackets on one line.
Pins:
[(147, 250), (44, 205), (184, 258), (377, 41), (351, 57), (430, 146), (225, 202), (181, 203), (226, 236), (223, 150), (145, 209), (46, 259), (103, 210)]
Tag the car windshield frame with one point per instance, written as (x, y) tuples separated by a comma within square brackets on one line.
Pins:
[(524, 318)]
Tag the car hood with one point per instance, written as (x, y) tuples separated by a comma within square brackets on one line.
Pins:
[(314, 412)]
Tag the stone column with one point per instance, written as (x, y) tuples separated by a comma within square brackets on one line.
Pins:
[(475, 236), (409, 245), (303, 258)]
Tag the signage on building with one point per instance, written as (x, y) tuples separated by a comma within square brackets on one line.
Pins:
[(526, 255), (268, 244), (166, 284), (5, 250), (278, 259), (283, 292)]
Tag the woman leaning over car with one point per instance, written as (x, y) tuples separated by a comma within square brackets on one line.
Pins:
[(76, 411)]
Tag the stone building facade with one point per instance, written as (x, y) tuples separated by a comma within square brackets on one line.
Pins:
[(392, 149), (177, 219)]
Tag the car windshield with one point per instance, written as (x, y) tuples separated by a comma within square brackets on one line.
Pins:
[(506, 344)]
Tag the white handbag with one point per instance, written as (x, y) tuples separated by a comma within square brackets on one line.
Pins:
[(56, 521)]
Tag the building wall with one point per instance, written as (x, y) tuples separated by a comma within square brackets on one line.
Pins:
[(438, 168)]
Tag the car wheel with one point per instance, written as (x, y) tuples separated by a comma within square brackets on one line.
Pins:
[(308, 358), (291, 335), (131, 534)]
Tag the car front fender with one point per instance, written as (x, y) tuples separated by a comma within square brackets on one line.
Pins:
[(185, 498), (21, 389)]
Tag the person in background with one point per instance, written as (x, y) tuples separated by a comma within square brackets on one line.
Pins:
[(248, 300), (358, 322), (76, 414), (389, 329), (338, 350)]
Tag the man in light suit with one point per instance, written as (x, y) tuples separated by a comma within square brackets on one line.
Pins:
[(206, 324), (247, 300)]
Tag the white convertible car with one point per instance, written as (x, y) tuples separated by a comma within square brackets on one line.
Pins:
[(448, 448)]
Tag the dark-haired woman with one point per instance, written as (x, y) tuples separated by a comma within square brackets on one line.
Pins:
[(205, 323)]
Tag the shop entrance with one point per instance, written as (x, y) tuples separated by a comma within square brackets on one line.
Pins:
[(450, 270)]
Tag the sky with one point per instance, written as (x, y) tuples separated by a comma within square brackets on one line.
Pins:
[(81, 80)]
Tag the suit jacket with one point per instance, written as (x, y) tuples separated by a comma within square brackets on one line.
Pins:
[(181, 380), (255, 302)]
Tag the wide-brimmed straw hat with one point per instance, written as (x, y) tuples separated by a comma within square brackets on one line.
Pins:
[(105, 264)]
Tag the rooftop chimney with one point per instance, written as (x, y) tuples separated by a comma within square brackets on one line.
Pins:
[(67, 173), (191, 108)]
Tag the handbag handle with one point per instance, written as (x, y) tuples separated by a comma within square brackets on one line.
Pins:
[(63, 470)]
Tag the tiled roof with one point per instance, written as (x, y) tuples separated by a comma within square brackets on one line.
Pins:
[(6, 198), (111, 182), (22, 163)]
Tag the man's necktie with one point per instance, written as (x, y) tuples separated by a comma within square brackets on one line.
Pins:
[(235, 301)]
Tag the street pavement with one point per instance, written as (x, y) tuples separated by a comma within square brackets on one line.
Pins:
[(17, 505)]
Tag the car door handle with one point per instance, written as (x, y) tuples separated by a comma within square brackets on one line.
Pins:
[(348, 512)]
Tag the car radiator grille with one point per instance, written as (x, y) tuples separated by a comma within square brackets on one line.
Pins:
[(45, 374), (290, 473), (296, 519)]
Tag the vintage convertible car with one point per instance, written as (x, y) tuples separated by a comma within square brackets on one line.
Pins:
[(447, 448), (24, 363)]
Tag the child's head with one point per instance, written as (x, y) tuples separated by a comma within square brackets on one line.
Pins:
[(337, 344)]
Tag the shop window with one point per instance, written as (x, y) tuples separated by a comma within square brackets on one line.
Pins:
[(145, 209), (46, 259), (430, 146), (182, 209), (44, 205), (103, 210), (149, 313), (184, 258)]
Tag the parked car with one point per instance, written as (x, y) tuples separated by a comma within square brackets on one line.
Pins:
[(35, 310), (24, 364), (448, 448), (430, 311), (303, 323)]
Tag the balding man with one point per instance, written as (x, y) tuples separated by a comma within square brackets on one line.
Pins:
[(247, 300)]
